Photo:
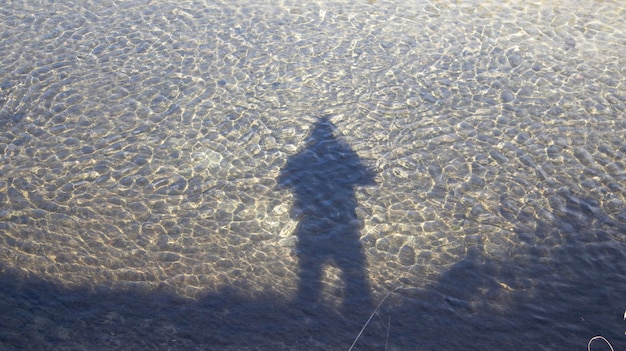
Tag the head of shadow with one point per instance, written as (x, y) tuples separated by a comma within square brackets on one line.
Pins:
[(324, 176)]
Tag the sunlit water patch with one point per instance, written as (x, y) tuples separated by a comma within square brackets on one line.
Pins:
[(142, 145)]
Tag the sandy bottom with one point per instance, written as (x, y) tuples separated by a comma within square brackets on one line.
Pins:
[(164, 183)]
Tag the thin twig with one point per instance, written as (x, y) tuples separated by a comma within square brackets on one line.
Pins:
[(369, 319), (388, 329)]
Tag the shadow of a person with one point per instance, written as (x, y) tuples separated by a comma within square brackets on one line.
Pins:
[(323, 177)]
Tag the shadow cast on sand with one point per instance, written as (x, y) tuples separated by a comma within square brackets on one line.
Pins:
[(323, 177), (39, 315), (453, 314)]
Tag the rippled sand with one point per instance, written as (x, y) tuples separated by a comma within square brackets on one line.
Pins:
[(140, 143)]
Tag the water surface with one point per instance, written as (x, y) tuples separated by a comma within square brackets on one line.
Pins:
[(143, 144)]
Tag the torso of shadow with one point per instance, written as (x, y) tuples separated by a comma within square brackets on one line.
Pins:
[(323, 177)]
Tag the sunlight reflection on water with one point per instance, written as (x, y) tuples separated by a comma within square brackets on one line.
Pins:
[(140, 147)]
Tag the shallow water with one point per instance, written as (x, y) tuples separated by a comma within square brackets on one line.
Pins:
[(144, 147)]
